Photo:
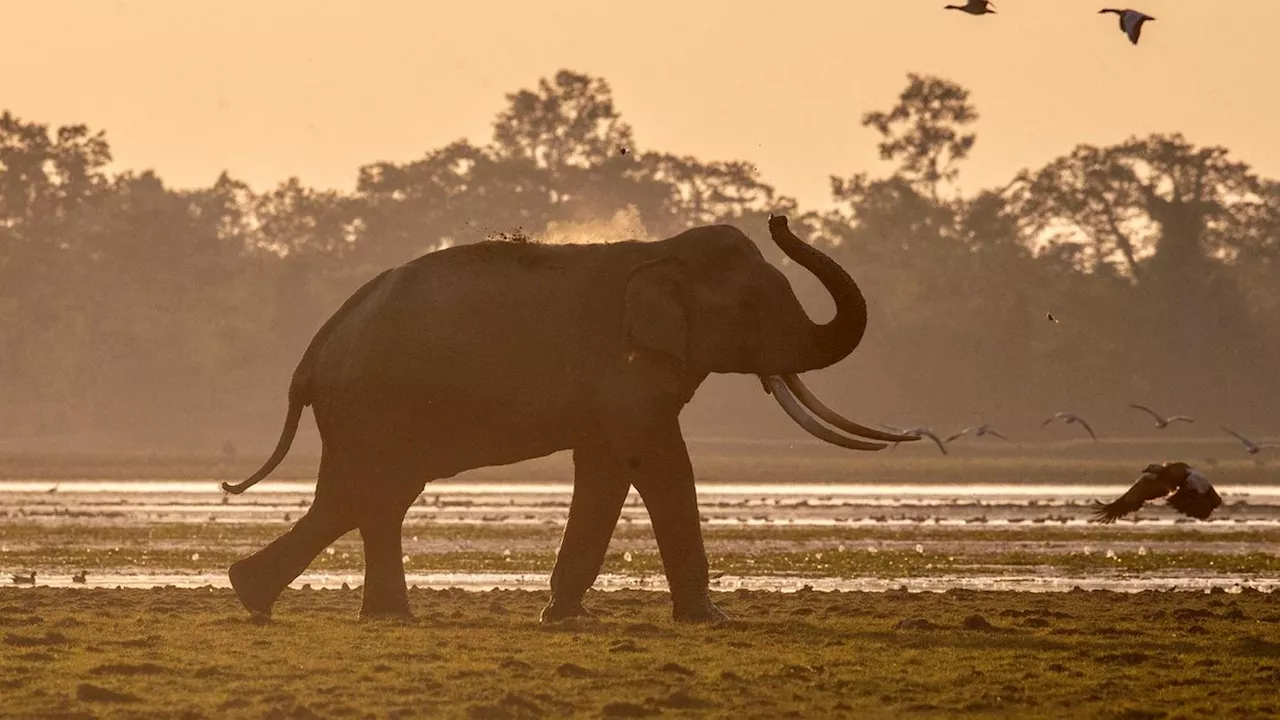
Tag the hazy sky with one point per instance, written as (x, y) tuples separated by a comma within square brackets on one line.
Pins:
[(315, 89)]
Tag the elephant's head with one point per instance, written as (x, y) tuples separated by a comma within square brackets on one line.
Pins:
[(711, 303)]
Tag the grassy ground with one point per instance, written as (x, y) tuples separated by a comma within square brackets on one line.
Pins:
[(194, 653)]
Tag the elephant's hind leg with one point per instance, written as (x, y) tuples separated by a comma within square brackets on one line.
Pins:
[(260, 578), (600, 488)]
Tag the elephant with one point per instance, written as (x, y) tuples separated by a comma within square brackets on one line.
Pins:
[(497, 352)]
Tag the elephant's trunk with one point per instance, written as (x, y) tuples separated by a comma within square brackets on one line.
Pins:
[(834, 340)]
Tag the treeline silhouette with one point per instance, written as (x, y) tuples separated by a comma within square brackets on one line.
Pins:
[(138, 316)]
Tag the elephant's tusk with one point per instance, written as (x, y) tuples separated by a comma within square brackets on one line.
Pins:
[(811, 401), (779, 390)]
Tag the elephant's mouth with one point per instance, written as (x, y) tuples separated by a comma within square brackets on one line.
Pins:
[(798, 402)]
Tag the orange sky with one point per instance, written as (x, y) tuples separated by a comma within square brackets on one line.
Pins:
[(318, 88)]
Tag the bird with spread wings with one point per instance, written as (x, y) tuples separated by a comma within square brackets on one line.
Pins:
[(1192, 494), (919, 432), (978, 431), (974, 7), (1162, 422), (1070, 419), (1250, 446)]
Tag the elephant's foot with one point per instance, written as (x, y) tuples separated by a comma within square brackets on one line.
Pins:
[(700, 610), (557, 611), (387, 615), (393, 606), (253, 595)]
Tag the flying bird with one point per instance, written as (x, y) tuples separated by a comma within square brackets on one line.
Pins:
[(1070, 419), (974, 7), (919, 432), (1052, 319), (978, 431), (1192, 493), (1250, 446), (1130, 22), (28, 579), (1163, 422)]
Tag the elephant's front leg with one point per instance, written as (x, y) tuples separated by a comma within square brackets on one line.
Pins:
[(600, 486), (664, 477), (385, 591)]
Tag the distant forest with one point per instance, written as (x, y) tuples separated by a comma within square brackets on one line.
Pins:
[(142, 317)]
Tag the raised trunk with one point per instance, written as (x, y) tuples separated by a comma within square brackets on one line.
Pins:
[(834, 340)]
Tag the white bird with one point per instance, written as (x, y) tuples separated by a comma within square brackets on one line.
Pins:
[(974, 7), (1163, 422), (1250, 446), (1130, 22), (1070, 419), (978, 431), (919, 432)]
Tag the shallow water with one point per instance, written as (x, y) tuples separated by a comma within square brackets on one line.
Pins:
[(482, 582), (722, 504), (143, 505)]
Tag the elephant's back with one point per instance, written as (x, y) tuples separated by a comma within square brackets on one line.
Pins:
[(478, 339)]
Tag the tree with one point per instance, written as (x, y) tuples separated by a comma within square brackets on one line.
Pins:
[(556, 158), (1156, 206), (569, 121), (924, 133), (1172, 219)]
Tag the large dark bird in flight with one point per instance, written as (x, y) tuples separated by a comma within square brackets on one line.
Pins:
[(1192, 494), (1130, 22), (974, 7)]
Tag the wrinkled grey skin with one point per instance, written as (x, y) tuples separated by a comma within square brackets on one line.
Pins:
[(499, 352)]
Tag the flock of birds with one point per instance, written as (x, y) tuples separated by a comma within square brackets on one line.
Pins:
[(1131, 21), (1067, 418), (1187, 490)]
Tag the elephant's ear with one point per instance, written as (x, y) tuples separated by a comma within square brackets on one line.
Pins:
[(656, 317)]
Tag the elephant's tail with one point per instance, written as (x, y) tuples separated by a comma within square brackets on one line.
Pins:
[(300, 388), (297, 400)]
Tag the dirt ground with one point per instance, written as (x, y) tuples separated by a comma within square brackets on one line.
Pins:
[(195, 653)]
